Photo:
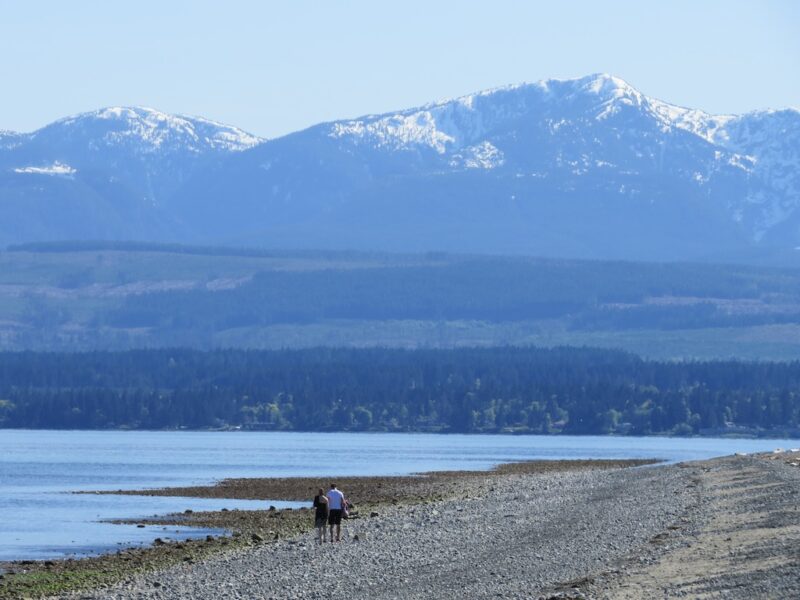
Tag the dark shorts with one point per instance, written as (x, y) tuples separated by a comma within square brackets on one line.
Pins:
[(320, 521), (335, 517)]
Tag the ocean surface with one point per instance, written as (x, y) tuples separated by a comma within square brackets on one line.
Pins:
[(40, 518)]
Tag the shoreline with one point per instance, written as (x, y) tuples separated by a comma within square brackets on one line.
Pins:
[(765, 434), (728, 526), (248, 528)]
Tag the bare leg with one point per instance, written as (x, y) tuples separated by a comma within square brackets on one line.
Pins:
[(331, 534), (338, 531)]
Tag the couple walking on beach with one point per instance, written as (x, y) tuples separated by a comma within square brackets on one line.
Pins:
[(331, 507)]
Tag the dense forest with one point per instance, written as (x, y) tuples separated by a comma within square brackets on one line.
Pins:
[(586, 295), (507, 389)]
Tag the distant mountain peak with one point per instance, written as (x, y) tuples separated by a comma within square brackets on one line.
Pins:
[(155, 129), (125, 112), (602, 84), (452, 124)]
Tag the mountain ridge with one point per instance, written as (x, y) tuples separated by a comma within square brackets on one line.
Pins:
[(572, 166)]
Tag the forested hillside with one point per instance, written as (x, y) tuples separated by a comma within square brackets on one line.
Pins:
[(118, 296), (524, 390)]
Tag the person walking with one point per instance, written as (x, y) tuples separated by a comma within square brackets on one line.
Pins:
[(321, 514), (335, 510)]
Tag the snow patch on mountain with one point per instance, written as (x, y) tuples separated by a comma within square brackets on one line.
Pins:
[(484, 155), (57, 168), (399, 131)]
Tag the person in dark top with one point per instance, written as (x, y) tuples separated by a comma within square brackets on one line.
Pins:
[(321, 514)]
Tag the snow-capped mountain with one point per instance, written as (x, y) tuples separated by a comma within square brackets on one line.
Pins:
[(768, 145), (581, 167), (577, 126), (106, 173), (145, 131), (142, 143)]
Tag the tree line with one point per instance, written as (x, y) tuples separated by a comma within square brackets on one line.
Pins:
[(507, 389)]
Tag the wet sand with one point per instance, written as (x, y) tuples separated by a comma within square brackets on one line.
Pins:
[(377, 489)]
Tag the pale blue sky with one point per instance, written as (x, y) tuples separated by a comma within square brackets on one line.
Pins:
[(273, 68)]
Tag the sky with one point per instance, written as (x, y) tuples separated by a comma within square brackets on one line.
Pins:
[(276, 67)]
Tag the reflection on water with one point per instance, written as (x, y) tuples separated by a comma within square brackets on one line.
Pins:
[(38, 468)]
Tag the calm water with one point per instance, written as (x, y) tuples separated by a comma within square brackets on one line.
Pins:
[(40, 519)]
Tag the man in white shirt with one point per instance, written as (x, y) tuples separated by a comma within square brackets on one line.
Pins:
[(335, 510)]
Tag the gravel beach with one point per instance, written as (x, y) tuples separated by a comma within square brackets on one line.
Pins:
[(722, 528), (506, 535), (740, 541)]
